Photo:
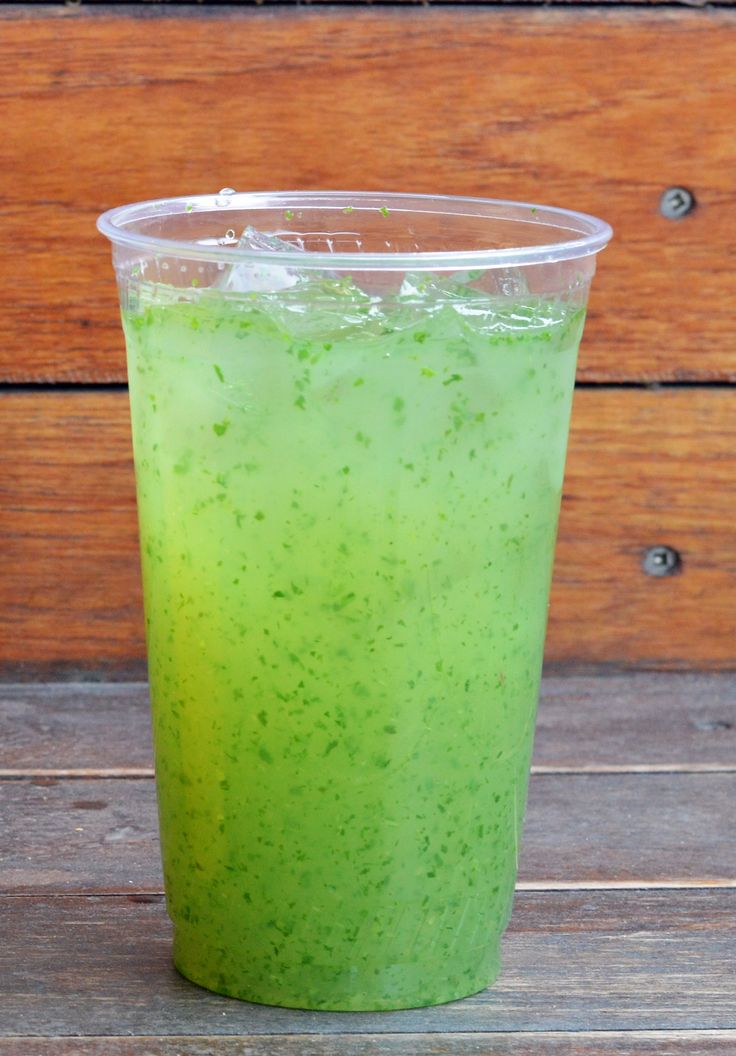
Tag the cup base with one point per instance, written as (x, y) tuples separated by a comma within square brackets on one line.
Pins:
[(332, 988)]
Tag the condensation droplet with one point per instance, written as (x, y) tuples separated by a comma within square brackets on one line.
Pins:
[(230, 233), (183, 269), (200, 269), (224, 196), (164, 266)]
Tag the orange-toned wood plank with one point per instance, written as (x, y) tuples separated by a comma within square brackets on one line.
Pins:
[(598, 109), (645, 468)]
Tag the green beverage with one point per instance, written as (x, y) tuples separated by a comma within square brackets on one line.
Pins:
[(348, 504)]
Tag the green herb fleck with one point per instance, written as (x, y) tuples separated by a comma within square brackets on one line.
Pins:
[(220, 428), (383, 210), (289, 214), (189, 207), (453, 377), (218, 372), (348, 209), (398, 405)]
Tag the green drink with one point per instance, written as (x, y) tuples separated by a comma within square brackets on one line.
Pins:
[(348, 503)]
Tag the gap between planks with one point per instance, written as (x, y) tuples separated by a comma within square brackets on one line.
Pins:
[(718, 884), (87, 773)]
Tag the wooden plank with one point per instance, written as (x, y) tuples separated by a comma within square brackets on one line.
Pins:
[(581, 830), (645, 467), (572, 961), (586, 723), (75, 727), (70, 581), (533, 1043), (637, 720), (600, 109)]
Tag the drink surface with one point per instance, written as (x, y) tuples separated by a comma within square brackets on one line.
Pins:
[(348, 512)]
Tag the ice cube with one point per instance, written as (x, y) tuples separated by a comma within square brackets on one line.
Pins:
[(261, 276)]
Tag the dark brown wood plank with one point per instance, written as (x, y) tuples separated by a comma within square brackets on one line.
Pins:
[(534, 1043), (645, 467), (587, 830), (572, 961), (599, 109), (635, 720)]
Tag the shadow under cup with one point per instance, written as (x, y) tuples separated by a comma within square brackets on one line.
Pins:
[(350, 416)]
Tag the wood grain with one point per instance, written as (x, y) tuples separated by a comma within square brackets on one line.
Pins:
[(599, 109), (78, 726), (637, 720), (645, 468), (100, 836), (534, 1043), (572, 961)]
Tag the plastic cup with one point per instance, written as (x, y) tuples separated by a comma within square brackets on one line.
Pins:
[(349, 447)]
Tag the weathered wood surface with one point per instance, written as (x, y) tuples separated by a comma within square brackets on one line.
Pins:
[(598, 109), (78, 726), (645, 467), (639, 720), (533, 1043), (644, 960), (100, 836)]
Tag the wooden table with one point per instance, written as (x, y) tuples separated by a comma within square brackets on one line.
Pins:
[(623, 938)]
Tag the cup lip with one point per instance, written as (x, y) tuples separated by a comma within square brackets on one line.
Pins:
[(592, 234)]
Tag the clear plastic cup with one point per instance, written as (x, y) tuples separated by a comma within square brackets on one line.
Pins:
[(349, 443)]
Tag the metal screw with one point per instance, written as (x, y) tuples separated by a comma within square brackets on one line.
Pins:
[(661, 561), (676, 202)]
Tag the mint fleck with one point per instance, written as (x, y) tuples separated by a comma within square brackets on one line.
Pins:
[(348, 209), (189, 208), (289, 214), (383, 210), (220, 428), (453, 377), (218, 372)]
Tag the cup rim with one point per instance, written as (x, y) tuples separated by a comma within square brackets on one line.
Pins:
[(591, 234)]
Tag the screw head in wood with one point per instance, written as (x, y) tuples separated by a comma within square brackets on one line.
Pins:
[(661, 561), (676, 202)]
